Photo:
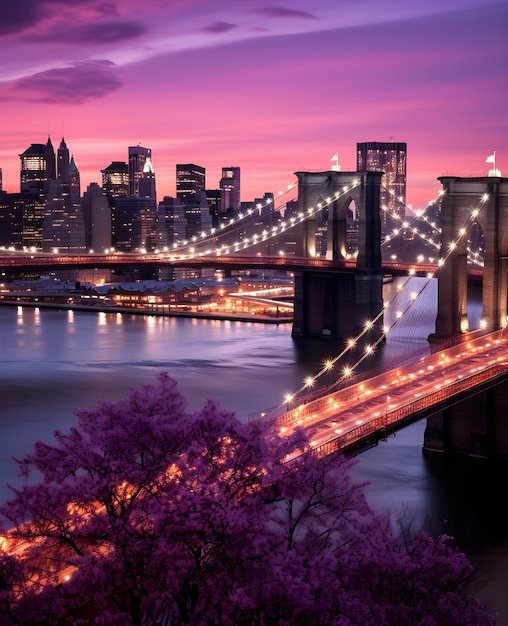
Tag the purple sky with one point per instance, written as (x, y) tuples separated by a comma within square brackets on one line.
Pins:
[(272, 88)]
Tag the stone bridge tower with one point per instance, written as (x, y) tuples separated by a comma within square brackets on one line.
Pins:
[(465, 200), (335, 303)]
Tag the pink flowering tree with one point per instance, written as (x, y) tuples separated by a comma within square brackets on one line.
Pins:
[(145, 514)]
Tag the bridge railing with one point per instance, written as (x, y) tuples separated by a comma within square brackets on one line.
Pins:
[(425, 405), (361, 389)]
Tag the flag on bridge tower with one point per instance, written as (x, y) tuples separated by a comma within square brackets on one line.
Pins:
[(492, 159), (335, 166)]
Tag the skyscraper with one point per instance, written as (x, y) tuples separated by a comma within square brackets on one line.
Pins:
[(37, 173), (134, 223), (63, 224), (115, 181), (388, 157), (171, 222), (190, 182), (146, 183), (63, 160), (230, 182), (97, 216), (137, 159), (37, 168)]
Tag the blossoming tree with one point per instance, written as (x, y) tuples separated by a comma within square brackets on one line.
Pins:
[(145, 514)]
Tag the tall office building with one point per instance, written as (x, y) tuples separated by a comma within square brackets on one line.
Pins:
[(63, 224), (230, 182), (171, 222), (388, 157), (63, 161), (197, 216), (37, 168), (137, 159), (115, 181), (215, 200), (134, 224), (12, 206), (37, 173), (146, 183), (97, 216), (190, 182), (68, 175)]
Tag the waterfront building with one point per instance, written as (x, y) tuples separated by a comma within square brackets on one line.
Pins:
[(148, 294)]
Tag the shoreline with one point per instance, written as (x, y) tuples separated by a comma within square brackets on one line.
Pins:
[(211, 315)]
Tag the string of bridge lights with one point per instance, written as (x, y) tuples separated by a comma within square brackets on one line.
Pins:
[(225, 229), (369, 349), (267, 234), (474, 257)]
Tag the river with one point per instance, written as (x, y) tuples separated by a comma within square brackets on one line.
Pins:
[(55, 361)]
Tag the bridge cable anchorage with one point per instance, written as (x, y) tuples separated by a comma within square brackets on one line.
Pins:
[(348, 370)]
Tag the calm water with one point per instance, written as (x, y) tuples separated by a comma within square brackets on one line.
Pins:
[(53, 362)]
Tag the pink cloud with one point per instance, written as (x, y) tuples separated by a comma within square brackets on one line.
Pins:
[(68, 85)]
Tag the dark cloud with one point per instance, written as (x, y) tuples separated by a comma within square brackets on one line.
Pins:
[(100, 33), (76, 84), (219, 27), (18, 15), (274, 11)]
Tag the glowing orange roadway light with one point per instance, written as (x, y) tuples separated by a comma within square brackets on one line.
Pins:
[(328, 365), (309, 381)]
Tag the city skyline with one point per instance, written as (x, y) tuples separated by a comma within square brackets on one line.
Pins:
[(272, 89)]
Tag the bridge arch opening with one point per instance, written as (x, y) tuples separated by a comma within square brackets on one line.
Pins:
[(465, 202)]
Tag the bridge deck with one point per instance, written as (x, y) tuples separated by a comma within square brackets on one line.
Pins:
[(353, 418)]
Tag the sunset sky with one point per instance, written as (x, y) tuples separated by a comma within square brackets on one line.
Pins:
[(271, 87)]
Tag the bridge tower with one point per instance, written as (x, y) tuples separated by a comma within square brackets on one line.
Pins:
[(461, 196), (335, 303)]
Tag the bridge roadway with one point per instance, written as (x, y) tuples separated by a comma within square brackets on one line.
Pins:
[(46, 261), (358, 416)]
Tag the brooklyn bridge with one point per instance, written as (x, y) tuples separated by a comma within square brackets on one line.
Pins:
[(461, 389)]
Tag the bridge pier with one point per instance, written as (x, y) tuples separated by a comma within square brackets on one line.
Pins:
[(476, 427), (331, 303), (337, 305)]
